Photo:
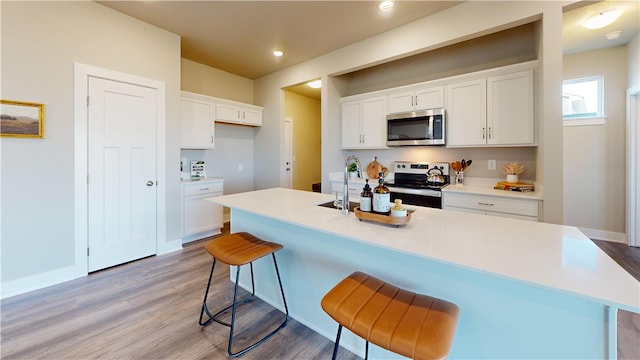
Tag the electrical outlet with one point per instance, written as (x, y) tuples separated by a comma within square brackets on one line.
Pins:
[(492, 164)]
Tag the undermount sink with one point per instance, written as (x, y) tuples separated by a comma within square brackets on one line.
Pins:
[(332, 205)]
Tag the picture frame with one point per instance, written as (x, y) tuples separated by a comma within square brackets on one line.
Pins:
[(21, 119)]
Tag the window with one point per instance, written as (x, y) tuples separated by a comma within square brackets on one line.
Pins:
[(582, 101)]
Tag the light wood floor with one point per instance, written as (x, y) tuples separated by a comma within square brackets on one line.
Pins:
[(149, 309)]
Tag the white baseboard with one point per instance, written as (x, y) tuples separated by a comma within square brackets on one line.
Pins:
[(39, 281), (55, 277), (605, 235), (170, 246)]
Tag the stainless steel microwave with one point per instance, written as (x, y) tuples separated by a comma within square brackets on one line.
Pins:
[(421, 127)]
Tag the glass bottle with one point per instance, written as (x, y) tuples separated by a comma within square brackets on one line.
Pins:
[(365, 197), (381, 197)]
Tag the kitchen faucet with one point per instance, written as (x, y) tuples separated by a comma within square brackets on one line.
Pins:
[(345, 190)]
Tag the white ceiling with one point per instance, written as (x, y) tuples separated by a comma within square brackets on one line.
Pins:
[(239, 36)]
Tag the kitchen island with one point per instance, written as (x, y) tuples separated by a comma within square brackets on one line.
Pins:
[(525, 289)]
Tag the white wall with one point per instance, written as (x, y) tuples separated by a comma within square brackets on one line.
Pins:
[(472, 19), (595, 155), (40, 43), (633, 51)]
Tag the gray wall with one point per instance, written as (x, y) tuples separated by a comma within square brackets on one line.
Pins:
[(40, 43), (595, 155)]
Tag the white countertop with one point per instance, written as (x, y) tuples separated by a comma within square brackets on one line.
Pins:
[(547, 255), (474, 186)]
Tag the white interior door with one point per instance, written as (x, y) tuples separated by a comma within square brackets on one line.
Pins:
[(288, 152), (121, 172)]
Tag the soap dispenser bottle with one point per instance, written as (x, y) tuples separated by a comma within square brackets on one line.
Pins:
[(381, 197), (366, 197)]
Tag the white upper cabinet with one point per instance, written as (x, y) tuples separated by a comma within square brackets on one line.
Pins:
[(364, 123), (238, 113), (416, 98), (492, 111), (510, 109), (196, 122), (466, 117)]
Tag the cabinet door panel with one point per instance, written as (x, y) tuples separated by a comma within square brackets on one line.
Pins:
[(197, 125), (252, 117), (400, 102), (429, 98), (374, 121), (350, 123), (201, 215), (510, 109), (466, 113), (227, 113)]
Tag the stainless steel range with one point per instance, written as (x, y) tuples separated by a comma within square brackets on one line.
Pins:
[(419, 183)]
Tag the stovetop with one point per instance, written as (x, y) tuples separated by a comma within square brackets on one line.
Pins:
[(414, 175)]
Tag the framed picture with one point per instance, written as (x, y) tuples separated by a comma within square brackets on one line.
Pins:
[(21, 119)]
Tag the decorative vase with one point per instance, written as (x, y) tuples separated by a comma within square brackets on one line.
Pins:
[(512, 178)]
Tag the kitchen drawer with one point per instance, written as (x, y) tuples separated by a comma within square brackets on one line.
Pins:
[(205, 188), (493, 204)]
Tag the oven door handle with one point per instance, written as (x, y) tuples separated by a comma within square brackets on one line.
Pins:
[(422, 192)]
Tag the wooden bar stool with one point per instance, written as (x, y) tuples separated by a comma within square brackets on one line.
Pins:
[(409, 324), (239, 249)]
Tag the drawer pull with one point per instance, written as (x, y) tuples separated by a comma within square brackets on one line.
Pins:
[(486, 204), (204, 189)]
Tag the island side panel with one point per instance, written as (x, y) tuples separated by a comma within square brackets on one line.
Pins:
[(499, 318)]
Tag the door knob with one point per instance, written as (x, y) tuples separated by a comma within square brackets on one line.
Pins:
[(150, 183)]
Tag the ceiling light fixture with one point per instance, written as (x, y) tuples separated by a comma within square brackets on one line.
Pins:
[(613, 35), (278, 53), (386, 5), (316, 84), (602, 19)]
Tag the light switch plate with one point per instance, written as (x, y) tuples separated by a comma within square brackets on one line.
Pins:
[(492, 164)]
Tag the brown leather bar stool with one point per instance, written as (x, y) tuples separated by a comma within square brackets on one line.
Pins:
[(409, 324), (239, 249)]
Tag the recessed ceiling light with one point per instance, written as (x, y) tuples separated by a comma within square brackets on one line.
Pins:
[(386, 5), (316, 84), (278, 53), (613, 35), (602, 19)]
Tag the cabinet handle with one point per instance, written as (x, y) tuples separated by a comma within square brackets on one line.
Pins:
[(204, 189), (412, 100), (211, 139), (363, 138), (238, 114), (486, 204), (244, 115), (416, 102), (490, 132), (483, 133)]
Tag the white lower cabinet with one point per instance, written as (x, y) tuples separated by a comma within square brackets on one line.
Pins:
[(201, 218), (355, 188), (516, 208)]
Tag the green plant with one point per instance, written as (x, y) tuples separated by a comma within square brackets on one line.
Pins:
[(353, 167)]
